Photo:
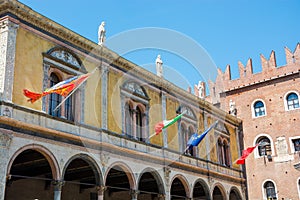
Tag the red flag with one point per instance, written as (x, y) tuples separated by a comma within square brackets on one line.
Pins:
[(245, 154), (62, 88)]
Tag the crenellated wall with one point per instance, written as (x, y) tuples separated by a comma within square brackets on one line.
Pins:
[(270, 71)]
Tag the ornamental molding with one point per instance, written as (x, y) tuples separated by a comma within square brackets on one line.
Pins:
[(66, 57), (5, 140)]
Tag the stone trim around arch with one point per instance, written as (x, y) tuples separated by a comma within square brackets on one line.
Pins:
[(127, 170), (221, 188), (203, 184), (185, 183), (157, 177), (91, 161), (236, 191), (45, 152)]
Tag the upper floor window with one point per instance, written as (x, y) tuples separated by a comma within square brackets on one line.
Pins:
[(187, 129), (269, 190), (60, 64), (259, 109), (264, 147), (223, 151), (292, 101), (135, 101), (63, 111), (295, 145), (186, 133), (54, 99)]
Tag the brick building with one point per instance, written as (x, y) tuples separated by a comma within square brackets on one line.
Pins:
[(268, 104), (94, 146)]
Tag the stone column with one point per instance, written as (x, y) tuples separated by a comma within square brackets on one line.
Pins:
[(5, 140), (58, 184), (133, 134), (101, 189), (8, 33), (104, 81), (134, 194)]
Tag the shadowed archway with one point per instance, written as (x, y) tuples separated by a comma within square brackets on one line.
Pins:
[(30, 177)]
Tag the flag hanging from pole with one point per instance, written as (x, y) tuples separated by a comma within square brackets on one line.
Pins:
[(166, 123), (62, 88), (245, 154), (196, 139)]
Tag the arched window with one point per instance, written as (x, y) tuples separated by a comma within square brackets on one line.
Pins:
[(264, 147), (54, 98), (128, 119), (259, 109), (139, 124), (135, 106), (269, 190), (223, 152), (220, 152), (191, 151), (61, 64), (292, 101), (226, 153), (184, 136), (65, 110)]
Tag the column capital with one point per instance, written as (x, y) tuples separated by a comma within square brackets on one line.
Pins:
[(6, 24), (134, 194), (58, 184)]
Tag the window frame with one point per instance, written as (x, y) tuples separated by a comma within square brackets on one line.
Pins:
[(64, 68), (223, 151), (286, 106), (253, 109), (137, 98), (256, 151), (292, 145), (189, 121), (264, 192)]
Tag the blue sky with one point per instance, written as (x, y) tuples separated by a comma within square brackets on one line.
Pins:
[(227, 31)]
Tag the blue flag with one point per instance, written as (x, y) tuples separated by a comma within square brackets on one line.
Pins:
[(196, 139)]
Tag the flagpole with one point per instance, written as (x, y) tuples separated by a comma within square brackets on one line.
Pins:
[(152, 135), (73, 91)]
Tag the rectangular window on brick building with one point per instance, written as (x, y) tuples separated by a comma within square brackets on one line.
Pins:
[(296, 143)]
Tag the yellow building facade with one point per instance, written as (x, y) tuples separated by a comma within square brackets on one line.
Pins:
[(95, 145)]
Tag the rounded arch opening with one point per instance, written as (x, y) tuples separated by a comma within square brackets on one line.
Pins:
[(81, 178), (119, 182), (31, 173), (200, 190), (218, 193), (234, 194), (150, 185), (179, 189)]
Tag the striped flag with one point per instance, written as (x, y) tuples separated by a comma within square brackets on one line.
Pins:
[(62, 88), (166, 123)]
